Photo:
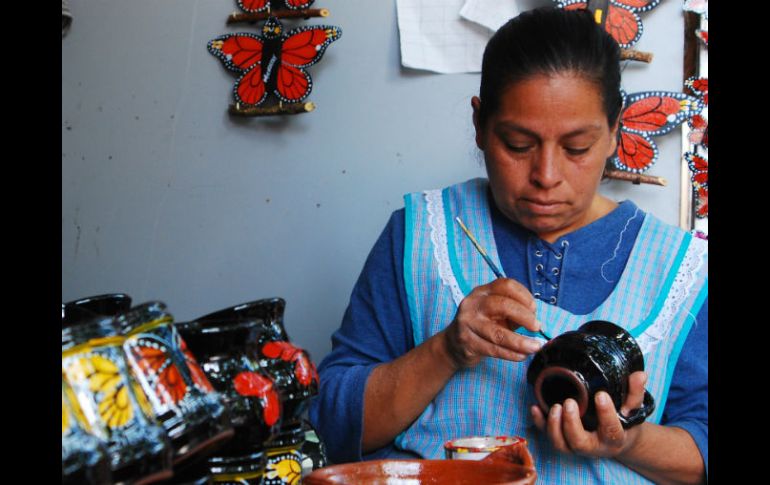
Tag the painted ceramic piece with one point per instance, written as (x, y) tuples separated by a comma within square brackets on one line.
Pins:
[(182, 398), (248, 391), (84, 457), (247, 469), (509, 465), (290, 367), (88, 308), (598, 356), (284, 457), (476, 447), (313, 450), (113, 404)]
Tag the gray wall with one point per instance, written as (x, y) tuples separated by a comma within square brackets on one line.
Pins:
[(165, 196)]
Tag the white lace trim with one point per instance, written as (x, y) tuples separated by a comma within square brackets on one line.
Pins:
[(684, 280), (438, 237)]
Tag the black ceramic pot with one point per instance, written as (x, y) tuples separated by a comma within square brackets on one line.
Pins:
[(290, 367), (84, 457), (249, 392), (94, 365), (88, 308), (598, 356), (182, 398)]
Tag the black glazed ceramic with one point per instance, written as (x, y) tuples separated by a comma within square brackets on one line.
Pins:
[(88, 308), (248, 391), (245, 469), (313, 450), (95, 367), (598, 356), (290, 367), (284, 456), (182, 398)]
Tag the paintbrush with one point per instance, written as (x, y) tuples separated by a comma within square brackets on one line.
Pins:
[(489, 261)]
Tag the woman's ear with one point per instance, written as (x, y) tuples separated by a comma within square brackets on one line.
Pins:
[(476, 104)]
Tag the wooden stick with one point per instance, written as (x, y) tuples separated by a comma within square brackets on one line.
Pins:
[(281, 14), (279, 109), (635, 178), (636, 55)]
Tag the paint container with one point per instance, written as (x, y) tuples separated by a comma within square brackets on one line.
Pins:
[(477, 447)]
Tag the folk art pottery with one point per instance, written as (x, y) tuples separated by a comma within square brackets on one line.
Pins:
[(84, 309), (84, 457), (510, 464), (182, 399), (598, 356), (112, 403)]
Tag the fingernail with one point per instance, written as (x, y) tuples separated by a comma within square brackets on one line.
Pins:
[(555, 410), (533, 345), (570, 406), (602, 398)]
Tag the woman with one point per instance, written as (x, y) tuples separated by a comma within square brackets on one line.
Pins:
[(430, 350)]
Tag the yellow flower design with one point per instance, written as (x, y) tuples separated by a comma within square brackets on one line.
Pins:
[(106, 382), (288, 470), (65, 416), (115, 408), (104, 375)]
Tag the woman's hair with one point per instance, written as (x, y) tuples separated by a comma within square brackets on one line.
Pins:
[(547, 41)]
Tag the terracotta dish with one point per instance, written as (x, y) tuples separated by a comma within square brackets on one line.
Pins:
[(510, 465)]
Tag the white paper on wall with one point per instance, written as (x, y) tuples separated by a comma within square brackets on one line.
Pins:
[(434, 36), (492, 14)]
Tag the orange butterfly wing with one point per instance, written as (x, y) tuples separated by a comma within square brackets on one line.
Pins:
[(197, 374), (623, 25), (154, 362), (636, 153), (242, 53), (302, 47)]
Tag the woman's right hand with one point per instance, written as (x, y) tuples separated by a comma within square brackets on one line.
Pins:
[(486, 321)]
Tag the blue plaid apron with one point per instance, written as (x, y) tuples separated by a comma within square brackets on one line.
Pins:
[(661, 289)]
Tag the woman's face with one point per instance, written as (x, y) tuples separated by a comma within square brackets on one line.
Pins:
[(545, 147)]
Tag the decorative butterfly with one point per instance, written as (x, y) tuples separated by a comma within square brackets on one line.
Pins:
[(700, 7), (273, 62), (196, 373), (618, 17), (699, 87), (254, 6), (249, 383), (304, 369), (153, 358), (699, 167), (645, 115), (699, 131), (698, 124)]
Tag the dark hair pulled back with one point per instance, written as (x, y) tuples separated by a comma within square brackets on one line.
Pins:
[(548, 41)]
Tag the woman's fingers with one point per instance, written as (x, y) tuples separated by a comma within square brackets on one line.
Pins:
[(635, 397)]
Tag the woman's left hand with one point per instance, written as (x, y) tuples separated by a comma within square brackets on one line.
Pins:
[(566, 432)]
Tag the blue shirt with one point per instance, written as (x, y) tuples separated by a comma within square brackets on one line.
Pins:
[(376, 327)]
